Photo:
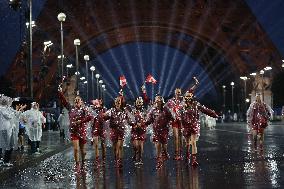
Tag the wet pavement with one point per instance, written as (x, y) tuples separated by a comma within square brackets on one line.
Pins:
[(225, 154), (50, 144)]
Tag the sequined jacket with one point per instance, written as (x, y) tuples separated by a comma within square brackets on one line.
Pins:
[(117, 118), (159, 118), (138, 116), (190, 114), (99, 119), (79, 117)]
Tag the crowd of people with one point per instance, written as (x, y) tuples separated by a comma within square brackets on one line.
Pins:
[(16, 121)]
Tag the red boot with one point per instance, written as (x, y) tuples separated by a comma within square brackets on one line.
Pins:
[(194, 161)]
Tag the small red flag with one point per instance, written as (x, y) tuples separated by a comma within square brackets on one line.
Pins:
[(122, 81), (151, 79)]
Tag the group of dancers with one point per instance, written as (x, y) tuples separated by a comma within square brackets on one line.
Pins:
[(180, 112)]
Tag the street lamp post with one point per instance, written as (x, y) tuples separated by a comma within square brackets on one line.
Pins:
[(262, 82), (30, 65), (224, 98), (97, 78), (77, 43), (92, 68), (232, 84), (101, 83), (69, 66), (244, 78), (61, 18), (87, 58)]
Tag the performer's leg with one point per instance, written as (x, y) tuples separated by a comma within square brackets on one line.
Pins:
[(165, 151), (194, 149), (114, 146), (96, 146), (254, 137), (83, 151), (96, 149), (119, 150), (180, 144), (176, 143), (188, 142), (261, 138), (135, 149), (76, 150), (159, 155), (141, 146), (103, 146)]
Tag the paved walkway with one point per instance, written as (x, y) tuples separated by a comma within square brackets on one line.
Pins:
[(226, 156)]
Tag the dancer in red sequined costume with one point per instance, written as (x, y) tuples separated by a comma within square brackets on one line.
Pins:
[(190, 122), (174, 105), (98, 130), (79, 117), (258, 116), (138, 129), (118, 119), (160, 117)]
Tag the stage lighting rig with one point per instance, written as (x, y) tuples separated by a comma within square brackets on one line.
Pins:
[(15, 4)]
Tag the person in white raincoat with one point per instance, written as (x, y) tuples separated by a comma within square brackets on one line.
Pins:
[(34, 120), (64, 123), (9, 120)]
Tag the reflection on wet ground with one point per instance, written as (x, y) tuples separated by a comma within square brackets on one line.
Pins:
[(227, 160)]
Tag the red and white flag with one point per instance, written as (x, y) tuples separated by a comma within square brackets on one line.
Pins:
[(122, 81), (151, 79)]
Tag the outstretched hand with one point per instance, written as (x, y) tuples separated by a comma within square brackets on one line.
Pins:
[(196, 80)]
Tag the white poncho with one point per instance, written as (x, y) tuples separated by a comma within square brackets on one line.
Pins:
[(34, 120)]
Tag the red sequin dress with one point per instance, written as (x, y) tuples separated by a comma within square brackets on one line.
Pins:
[(258, 116), (98, 129), (117, 123)]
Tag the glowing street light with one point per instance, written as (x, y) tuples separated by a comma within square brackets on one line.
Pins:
[(68, 66), (77, 43), (82, 78), (28, 24), (267, 68)]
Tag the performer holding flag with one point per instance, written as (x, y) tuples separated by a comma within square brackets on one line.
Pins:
[(190, 122)]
